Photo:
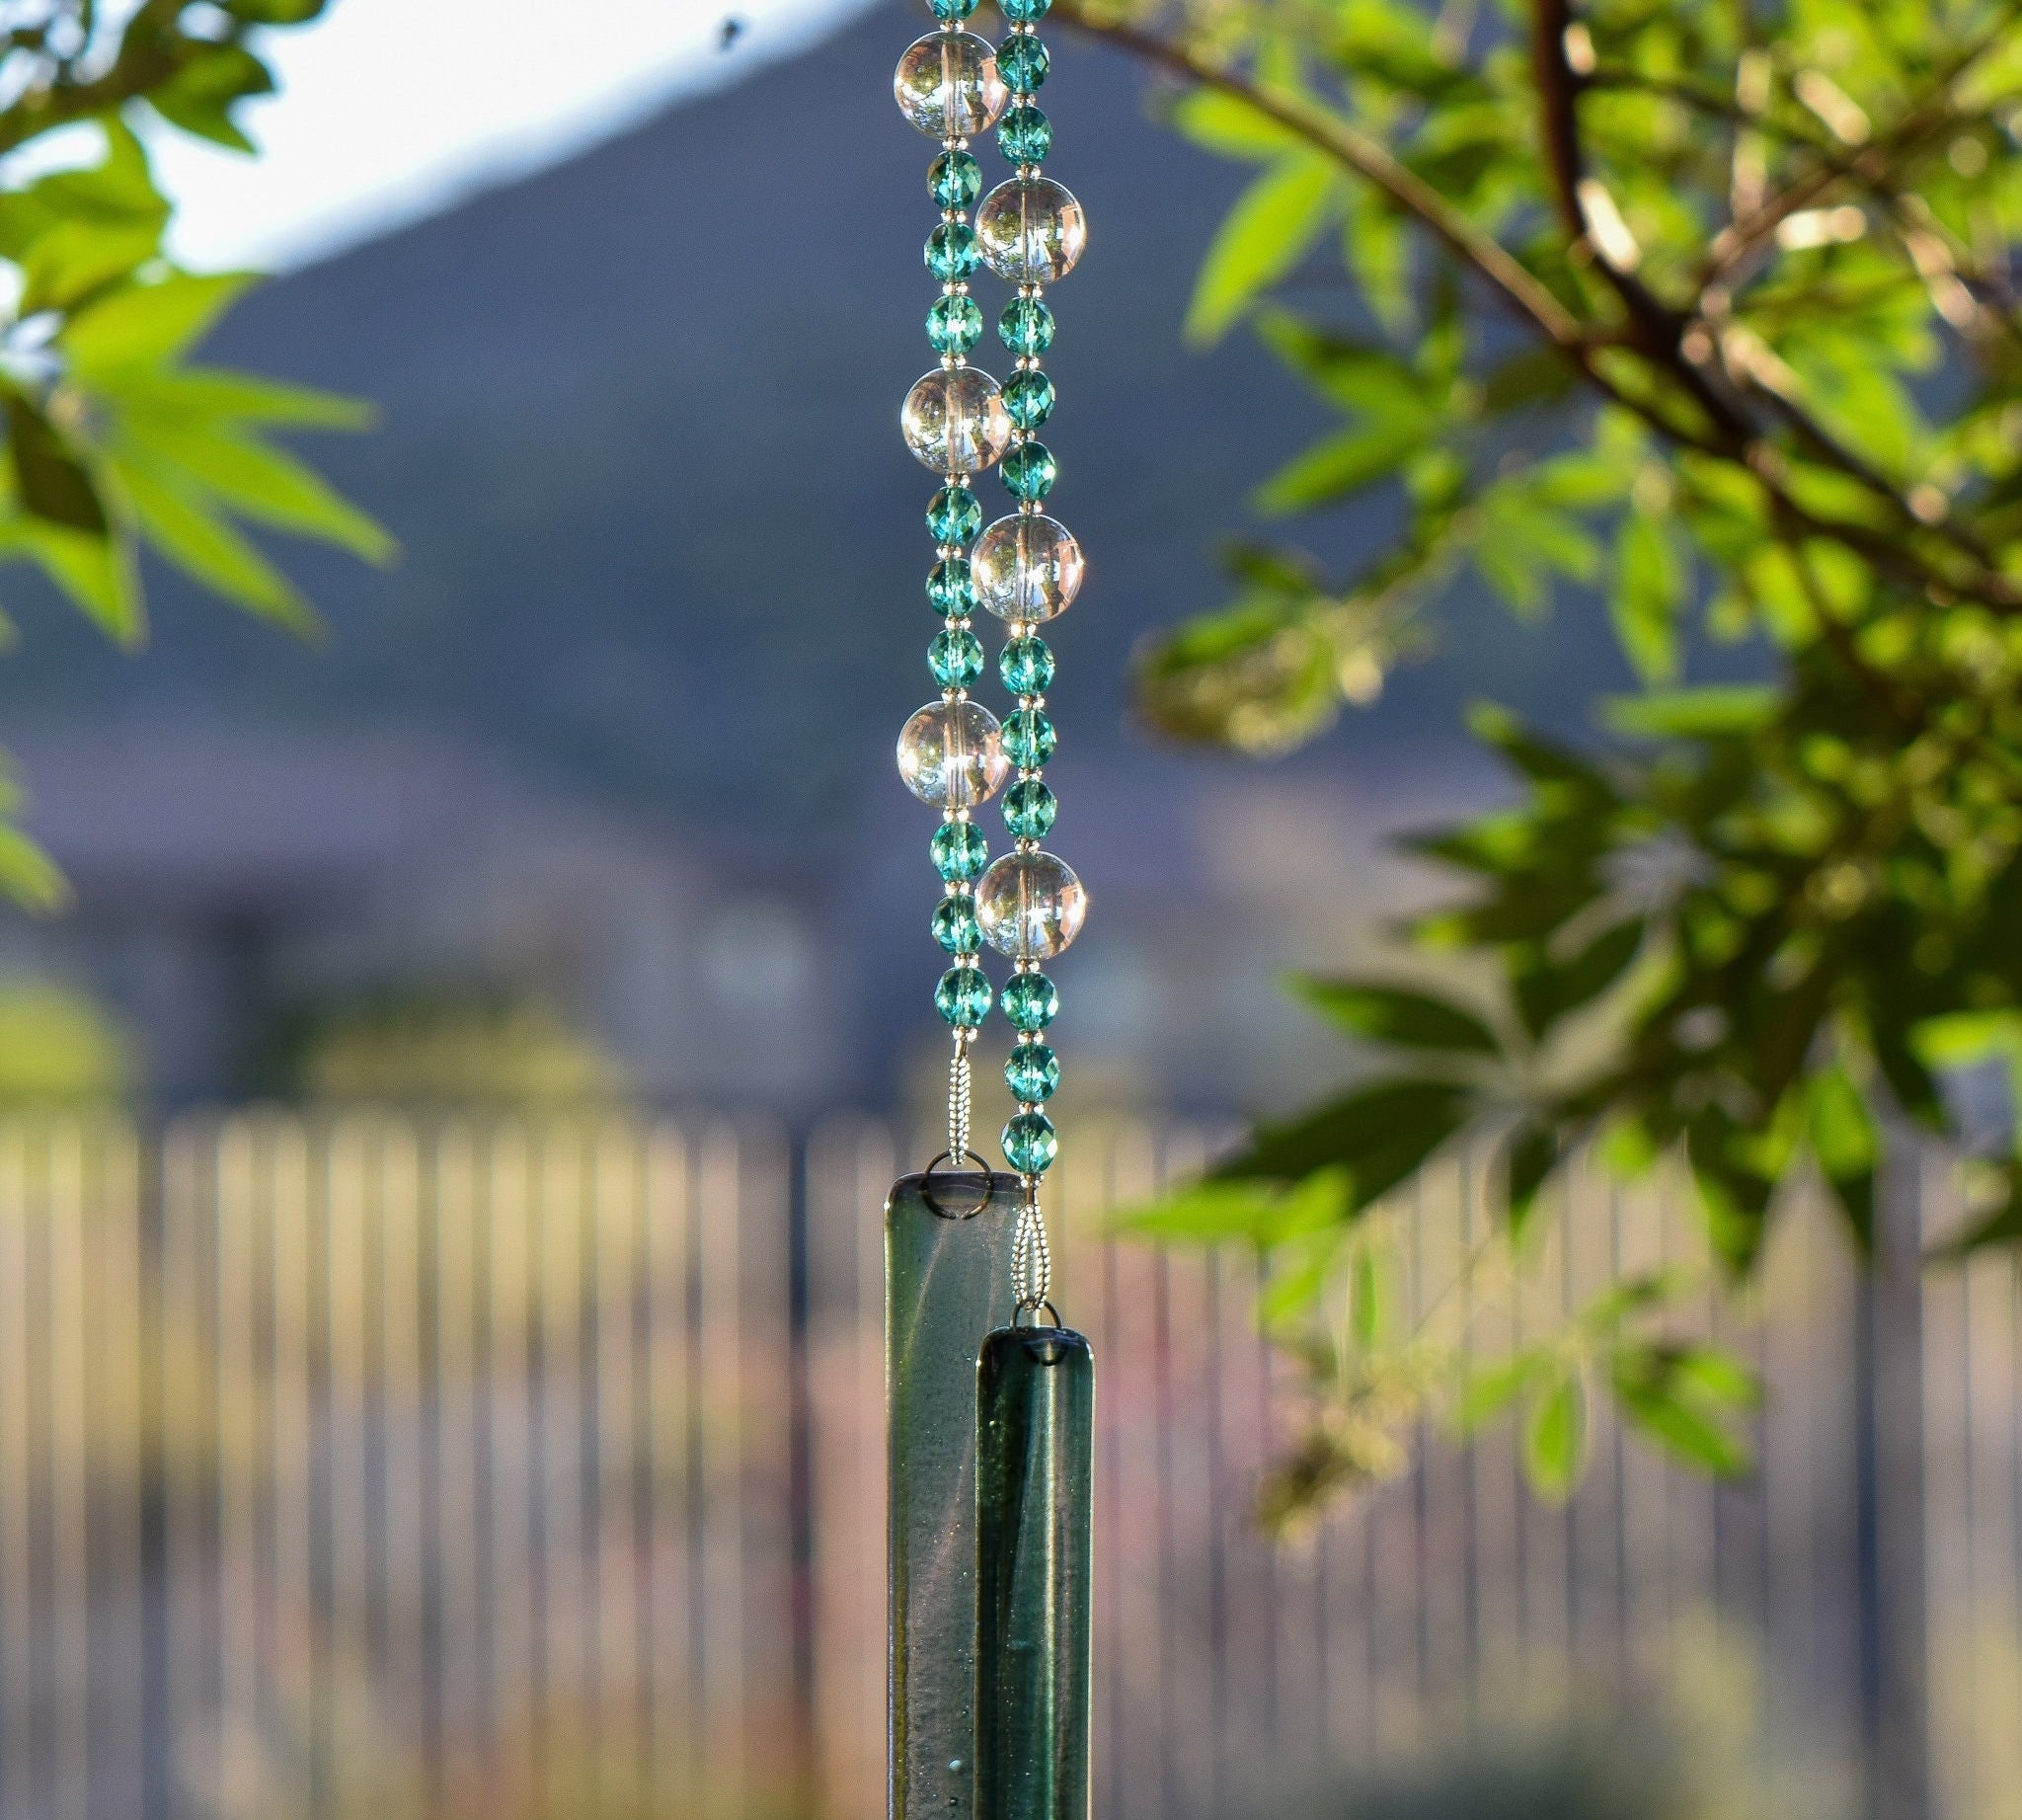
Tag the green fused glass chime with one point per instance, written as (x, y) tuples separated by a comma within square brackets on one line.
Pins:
[(990, 1399)]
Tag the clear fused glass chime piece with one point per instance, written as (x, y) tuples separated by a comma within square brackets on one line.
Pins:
[(947, 1286), (1035, 1496)]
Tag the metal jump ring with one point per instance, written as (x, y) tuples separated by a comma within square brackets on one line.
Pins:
[(949, 1158), (1045, 1303)]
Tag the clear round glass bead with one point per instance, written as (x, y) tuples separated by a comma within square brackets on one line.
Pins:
[(1031, 230), (948, 85), (954, 420), (1030, 905), (1027, 567), (952, 755)]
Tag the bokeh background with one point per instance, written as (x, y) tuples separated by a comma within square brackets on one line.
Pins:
[(442, 1145)]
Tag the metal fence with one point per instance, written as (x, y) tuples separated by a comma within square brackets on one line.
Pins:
[(375, 1466)]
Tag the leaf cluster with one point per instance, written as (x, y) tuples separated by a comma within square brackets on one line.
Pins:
[(115, 439), (1712, 310)]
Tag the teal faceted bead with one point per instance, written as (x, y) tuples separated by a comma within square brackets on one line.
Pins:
[(1032, 1071), (1030, 1001), (1030, 1142), (1024, 12), (954, 516), (956, 659), (954, 180), (1030, 739), (955, 926), (963, 997), (1025, 326), (951, 251), (1026, 665), (945, 9), (949, 590), (1029, 471), (954, 325), (1023, 63), (1028, 398), (1030, 809), (959, 850), (1024, 135)]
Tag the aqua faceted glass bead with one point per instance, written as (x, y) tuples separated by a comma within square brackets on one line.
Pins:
[(950, 755), (959, 850), (1029, 471), (963, 997), (1026, 665), (956, 659), (954, 325), (1023, 63), (1030, 905), (1031, 230), (954, 516), (952, 10), (1030, 809), (1030, 1143), (1028, 398), (954, 180), (1029, 738), (1025, 326), (948, 85), (1031, 1002), (1024, 12), (951, 251), (954, 925), (951, 590), (1032, 1071), (1024, 135), (954, 420)]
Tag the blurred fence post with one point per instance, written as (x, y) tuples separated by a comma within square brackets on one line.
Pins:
[(1888, 1461)]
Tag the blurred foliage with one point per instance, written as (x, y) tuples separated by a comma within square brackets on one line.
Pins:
[(444, 1045), (57, 1044), (1711, 307), (115, 440)]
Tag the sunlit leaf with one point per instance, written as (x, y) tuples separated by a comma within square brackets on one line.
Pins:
[(1264, 236)]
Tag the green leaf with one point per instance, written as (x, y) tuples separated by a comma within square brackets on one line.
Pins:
[(1531, 1152), (1392, 1014), (50, 482), (1555, 1441), (97, 573), (1547, 991), (200, 95), (1489, 1390), (259, 482), (1264, 236), (1653, 576), (1696, 713), (27, 875), (147, 323), (199, 542), (1678, 1397), (1343, 464), (212, 395), (1225, 124), (1376, 243), (1378, 1136), (1217, 1211)]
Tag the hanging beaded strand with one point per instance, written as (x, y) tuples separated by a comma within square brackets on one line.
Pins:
[(1027, 568), (950, 753)]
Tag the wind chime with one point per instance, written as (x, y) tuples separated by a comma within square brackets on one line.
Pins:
[(989, 1399)]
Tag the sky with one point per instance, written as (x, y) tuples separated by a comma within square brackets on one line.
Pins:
[(389, 110)]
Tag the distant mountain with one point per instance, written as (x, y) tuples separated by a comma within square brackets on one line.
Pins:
[(639, 446)]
